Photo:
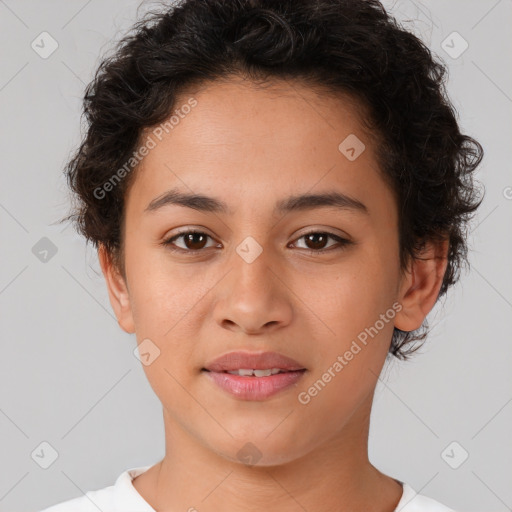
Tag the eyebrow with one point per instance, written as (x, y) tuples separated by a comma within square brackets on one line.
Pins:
[(300, 202)]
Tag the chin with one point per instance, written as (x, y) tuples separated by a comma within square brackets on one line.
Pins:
[(260, 450)]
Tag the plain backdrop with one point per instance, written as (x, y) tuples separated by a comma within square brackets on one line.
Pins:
[(70, 385)]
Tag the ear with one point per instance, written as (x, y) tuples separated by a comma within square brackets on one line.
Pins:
[(420, 285), (117, 291)]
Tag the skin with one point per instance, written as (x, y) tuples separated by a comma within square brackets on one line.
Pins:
[(232, 145)]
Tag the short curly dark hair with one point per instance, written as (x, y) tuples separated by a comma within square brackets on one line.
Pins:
[(352, 47)]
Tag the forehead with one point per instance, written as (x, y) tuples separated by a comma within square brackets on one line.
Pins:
[(242, 112), (252, 140)]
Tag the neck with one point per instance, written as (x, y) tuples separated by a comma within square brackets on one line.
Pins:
[(335, 475)]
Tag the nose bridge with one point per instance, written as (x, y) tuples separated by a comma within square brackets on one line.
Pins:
[(252, 267), (253, 296)]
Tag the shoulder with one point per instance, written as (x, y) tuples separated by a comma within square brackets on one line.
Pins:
[(414, 502), (121, 496), (92, 501)]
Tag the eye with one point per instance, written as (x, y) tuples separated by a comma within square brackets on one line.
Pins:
[(317, 240), (194, 241)]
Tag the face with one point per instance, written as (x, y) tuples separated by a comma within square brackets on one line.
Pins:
[(306, 280)]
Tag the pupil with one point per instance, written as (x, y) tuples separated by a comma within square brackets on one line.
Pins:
[(312, 238), (190, 237), (315, 235)]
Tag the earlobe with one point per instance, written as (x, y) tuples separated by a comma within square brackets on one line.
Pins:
[(421, 284), (117, 291)]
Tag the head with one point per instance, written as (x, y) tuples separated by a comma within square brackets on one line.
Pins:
[(253, 104)]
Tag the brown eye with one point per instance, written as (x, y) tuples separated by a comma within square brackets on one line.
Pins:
[(193, 241), (316, 241)]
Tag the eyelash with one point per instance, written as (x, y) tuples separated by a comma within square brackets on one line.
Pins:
[(342, 241)]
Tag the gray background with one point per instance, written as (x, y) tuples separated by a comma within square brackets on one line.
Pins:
[(68, 373)]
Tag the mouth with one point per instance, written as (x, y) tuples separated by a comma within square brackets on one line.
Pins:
[(247, 385), (243, 372), (253, 375), (259, 364)]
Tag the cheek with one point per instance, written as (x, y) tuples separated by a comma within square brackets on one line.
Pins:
[(350, 306), (164, 300), (167, 305), (353, 341), (160, 293), (352, 295)]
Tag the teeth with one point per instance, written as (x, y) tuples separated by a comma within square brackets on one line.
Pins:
[(262, 373), (258, 373), (244, 373)]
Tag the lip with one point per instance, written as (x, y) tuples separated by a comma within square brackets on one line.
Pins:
[(252, 360), (253, 388)]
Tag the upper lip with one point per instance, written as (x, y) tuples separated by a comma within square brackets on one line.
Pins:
[(252, 360)]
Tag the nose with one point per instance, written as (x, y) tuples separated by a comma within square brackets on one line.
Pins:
[(254, 297)]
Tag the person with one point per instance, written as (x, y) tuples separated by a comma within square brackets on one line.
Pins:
[(278, 193)]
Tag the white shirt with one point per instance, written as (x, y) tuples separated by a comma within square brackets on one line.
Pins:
[(123, 497)]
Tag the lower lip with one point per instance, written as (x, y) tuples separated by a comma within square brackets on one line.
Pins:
[(255, 388)]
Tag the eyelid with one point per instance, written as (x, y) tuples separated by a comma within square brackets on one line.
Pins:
[(320, 229), (169, 240), (342, 240), (189, 229), (310, 230)]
